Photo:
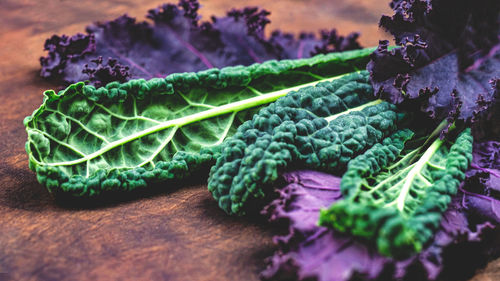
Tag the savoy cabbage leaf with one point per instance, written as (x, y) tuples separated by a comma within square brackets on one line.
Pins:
[(321, 127), (395, 193), (177, 41), (311, 252), (85, 140)]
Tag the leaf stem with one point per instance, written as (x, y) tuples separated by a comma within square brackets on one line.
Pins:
[(415, 171)]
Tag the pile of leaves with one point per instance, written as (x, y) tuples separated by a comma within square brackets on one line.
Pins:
[(311, 251), (409, 144), (448, 66)]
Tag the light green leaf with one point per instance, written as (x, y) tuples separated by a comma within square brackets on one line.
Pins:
[(125, 136), (396, 192)]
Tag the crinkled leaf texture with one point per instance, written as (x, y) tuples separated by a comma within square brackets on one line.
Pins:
[(482, 186), (178, 41), (449, 53), (395, 193), (312, 252), (320, 127), (83, 140)]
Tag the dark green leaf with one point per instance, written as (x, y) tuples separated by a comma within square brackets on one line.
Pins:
[(125, 136)]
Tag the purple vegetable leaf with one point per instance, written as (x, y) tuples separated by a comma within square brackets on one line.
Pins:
[(309, 251), (487, 116), (495, 206), (177, 41), (449, 53), (482, 186)]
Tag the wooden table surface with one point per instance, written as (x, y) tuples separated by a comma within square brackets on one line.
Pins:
[(175, 235)]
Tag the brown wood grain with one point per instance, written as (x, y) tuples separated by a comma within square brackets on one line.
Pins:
[(178, 234)]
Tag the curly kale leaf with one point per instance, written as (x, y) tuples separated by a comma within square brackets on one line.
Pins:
[(320, 127), (482, 186), (449, 53), (177, 41), (395, 194), (85, 140), (311, 252)]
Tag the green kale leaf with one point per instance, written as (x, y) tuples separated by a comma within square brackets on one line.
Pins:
[(321, 127), (83, 141), (396, 192)]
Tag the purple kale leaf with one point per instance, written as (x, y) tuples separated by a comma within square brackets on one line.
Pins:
[(449, 52), (176, 41), (487, 116), (482, 186), (311, 252)]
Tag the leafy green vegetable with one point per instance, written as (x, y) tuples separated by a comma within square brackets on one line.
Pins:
[(308, 251), (125, 136), (321, 127), (396, 192)]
